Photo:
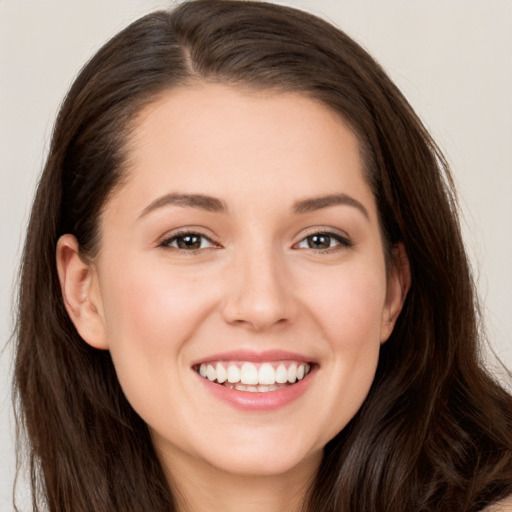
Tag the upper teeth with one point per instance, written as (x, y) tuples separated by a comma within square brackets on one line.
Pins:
[(249, 373)]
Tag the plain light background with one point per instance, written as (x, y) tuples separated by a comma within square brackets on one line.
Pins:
[(451, 58)]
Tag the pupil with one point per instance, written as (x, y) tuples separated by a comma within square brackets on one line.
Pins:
[(189, 242), (319, 242)]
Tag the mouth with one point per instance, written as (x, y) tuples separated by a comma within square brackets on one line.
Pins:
[(255, 377)]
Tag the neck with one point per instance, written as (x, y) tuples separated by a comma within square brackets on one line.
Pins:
[(199, 487)]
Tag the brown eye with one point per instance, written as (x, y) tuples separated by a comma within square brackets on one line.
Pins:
[(319, 241), (188, 242), (323, 241)]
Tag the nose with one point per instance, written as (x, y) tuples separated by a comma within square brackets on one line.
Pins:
[(259, 291)]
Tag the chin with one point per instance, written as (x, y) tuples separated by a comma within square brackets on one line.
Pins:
[(264, 457)]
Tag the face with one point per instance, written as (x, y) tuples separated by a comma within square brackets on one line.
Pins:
[(240, 283)]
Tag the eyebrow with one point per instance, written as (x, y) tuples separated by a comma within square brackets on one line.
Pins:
[(215, 205), (200, 201), (318, 203)]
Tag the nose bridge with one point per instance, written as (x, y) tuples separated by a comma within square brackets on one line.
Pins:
[(259, 292)]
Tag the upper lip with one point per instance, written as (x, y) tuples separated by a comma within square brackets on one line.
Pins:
[(254, 356)]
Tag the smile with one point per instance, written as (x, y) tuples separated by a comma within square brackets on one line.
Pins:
[(254, 377)]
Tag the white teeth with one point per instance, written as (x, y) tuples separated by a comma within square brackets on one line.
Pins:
[(211, 374), (292, 373), (267, 374), (281, 374), (250, 377), (233, 374), (254, 389), (249, 374), (222, 374)]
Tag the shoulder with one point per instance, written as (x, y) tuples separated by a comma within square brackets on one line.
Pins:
[(502, 506)]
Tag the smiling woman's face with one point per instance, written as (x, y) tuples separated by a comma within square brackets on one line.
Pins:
[(244, 247)]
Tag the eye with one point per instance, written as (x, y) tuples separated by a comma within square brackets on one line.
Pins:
[(188, 241), (323, 241)]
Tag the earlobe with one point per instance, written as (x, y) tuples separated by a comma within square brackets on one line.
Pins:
[(399, 282), (80, 292)]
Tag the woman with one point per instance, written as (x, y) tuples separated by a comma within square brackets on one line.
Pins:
[(260, 298)]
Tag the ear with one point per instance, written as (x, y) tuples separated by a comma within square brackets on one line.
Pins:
[(398, 284), (80, 292)]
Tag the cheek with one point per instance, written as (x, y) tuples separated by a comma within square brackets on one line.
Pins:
[(151, 307), (149, 317), (352, 324), (349, 306), (349, 313)]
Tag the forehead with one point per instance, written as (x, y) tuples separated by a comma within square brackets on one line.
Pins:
[(239, 144)]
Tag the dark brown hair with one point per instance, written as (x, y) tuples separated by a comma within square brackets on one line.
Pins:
[(435, 432)]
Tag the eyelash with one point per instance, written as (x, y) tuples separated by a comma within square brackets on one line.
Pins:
[(342, 242), (166, 244)]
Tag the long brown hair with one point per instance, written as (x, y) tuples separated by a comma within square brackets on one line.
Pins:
[(435, 432)]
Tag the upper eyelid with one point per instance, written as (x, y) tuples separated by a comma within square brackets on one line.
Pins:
[(166, 239), (193, 230), (341, 240), (324, 231)]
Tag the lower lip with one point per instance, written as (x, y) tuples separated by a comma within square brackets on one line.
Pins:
[(267, 401)]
